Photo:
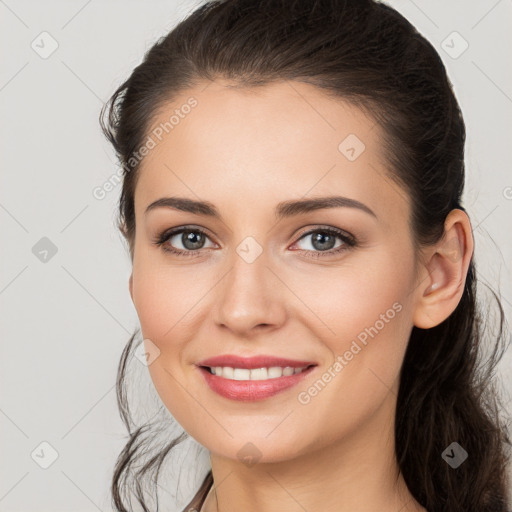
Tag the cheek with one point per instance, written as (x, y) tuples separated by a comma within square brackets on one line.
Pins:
[(380, 318), (170, 305), (359, 294), (155, 308), (165, 311), (159, 299), (365, 318), (371, 320)]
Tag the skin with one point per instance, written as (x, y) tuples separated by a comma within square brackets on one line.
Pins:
[(245, 151)]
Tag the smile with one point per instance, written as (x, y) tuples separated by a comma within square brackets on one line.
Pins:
[(273, 372), (249, 385)]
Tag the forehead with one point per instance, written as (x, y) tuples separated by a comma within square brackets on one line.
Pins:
[(279, 141)]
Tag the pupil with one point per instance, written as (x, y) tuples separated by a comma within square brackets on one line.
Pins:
[(320, 238), (189, 237)]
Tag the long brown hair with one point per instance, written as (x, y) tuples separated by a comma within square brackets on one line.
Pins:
[(368, 54)]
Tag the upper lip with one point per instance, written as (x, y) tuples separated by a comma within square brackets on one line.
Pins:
[(262, 361)]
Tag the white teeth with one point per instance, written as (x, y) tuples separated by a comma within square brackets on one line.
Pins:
[(228, 372), (241, 374), (258, 374), (273, 372)]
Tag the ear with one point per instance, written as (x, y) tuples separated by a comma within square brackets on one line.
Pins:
[(130, 285), (444, 270)]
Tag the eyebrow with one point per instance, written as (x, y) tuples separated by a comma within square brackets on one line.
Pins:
[(282, 210)]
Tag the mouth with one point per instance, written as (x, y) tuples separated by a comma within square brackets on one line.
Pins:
[(255, 374), (254, 383), (253, 362)]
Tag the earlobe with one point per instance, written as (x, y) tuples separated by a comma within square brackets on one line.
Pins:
[(445, 271)]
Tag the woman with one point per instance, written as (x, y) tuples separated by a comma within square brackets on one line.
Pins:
[(303, 266)]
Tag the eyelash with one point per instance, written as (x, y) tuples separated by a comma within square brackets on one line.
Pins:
[(349, 242)]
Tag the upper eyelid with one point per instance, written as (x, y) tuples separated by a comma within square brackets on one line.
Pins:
[(320, 227)]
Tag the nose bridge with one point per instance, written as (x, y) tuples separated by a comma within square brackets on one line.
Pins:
[(248, 296)]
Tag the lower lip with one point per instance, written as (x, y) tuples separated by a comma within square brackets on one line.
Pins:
[(252, 390)]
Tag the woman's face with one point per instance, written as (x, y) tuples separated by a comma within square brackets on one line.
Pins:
[(268, 279)]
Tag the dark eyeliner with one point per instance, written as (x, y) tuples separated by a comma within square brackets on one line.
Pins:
[(165, 235), (349, 241)]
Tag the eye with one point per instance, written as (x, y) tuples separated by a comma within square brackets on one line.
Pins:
[(192, 240), (322, 242)]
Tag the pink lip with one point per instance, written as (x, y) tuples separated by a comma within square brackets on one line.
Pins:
[(263, 361), (252, 390)]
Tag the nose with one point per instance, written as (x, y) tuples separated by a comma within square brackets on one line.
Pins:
[(250, 298)]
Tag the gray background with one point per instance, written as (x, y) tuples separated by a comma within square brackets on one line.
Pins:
[(66, 319)]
